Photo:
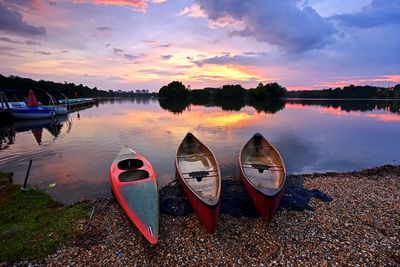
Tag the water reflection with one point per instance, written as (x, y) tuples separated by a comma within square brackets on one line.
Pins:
[(133, 100), (312, 136), (36, 127), (177, 106), (392, 106)]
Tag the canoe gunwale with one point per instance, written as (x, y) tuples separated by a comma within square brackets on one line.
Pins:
[(282, 185), (180, 175)]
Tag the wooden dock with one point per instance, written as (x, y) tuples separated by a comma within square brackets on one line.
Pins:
[(78, 104)]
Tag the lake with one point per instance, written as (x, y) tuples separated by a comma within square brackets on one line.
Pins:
[(75, 152)]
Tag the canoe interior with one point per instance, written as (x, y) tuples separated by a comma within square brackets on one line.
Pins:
[(263, 166), (133, 175), (199, 169), (129, 164)]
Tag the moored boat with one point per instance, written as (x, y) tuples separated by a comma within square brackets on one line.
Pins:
[(133, 181), (262, 171), (198, 172), (36, 112)]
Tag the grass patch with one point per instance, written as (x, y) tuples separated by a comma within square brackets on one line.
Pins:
[(32, 224)]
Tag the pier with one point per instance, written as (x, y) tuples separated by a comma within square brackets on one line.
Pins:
[(77, 103)]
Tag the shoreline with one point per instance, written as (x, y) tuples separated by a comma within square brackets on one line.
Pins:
[(361, 225)]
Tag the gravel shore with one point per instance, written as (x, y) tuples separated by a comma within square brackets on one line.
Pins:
[(360, 226)]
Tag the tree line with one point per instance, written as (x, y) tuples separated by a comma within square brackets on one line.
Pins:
[(15, 86), (176, 97), (271, 91), (350, 91)]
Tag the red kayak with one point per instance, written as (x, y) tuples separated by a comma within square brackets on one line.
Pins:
[(133, 181), (263, 174), (198, 172)]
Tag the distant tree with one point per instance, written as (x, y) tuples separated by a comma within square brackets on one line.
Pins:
[(232, 91), (268, 91), (20, 86), (174, 89)]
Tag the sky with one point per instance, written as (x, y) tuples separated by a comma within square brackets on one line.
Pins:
[(145, 44)]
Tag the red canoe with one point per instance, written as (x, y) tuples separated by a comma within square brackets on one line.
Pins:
[(263, 173), (198, 172), (133, 181)]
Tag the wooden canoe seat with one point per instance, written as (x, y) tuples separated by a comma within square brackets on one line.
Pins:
[(262, 167), (200, 175)]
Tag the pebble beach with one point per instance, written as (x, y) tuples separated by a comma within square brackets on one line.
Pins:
[(359, 227)]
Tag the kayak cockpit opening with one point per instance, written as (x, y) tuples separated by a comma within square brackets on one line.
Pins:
[(133, 175), (130, 164)]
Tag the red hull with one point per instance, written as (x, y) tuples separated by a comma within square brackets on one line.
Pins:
[(266, 206), (208, 215), (117, 186)]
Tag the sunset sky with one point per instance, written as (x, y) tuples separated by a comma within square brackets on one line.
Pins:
[(144, 44)]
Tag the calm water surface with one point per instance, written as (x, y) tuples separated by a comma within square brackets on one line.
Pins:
[(312, 136)]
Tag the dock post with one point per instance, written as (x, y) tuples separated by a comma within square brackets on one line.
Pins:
[(27, 175)]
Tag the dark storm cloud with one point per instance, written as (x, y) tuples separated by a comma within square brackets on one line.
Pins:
[(12, 21), (280, 23), (378, 13)]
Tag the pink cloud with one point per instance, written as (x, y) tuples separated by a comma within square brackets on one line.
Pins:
[(193, 11), (361, 81), (137, 5)]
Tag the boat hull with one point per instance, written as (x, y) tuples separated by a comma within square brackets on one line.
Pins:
[(263, 174), (32, 113), (266, 206), (207, 215), (139, 197), (60, 110)]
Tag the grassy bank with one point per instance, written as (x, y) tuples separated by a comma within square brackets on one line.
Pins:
[(32, 225)]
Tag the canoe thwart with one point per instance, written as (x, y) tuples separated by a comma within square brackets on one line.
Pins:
[(198, 171), (199, 174), (199, 179), (262, 167)]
